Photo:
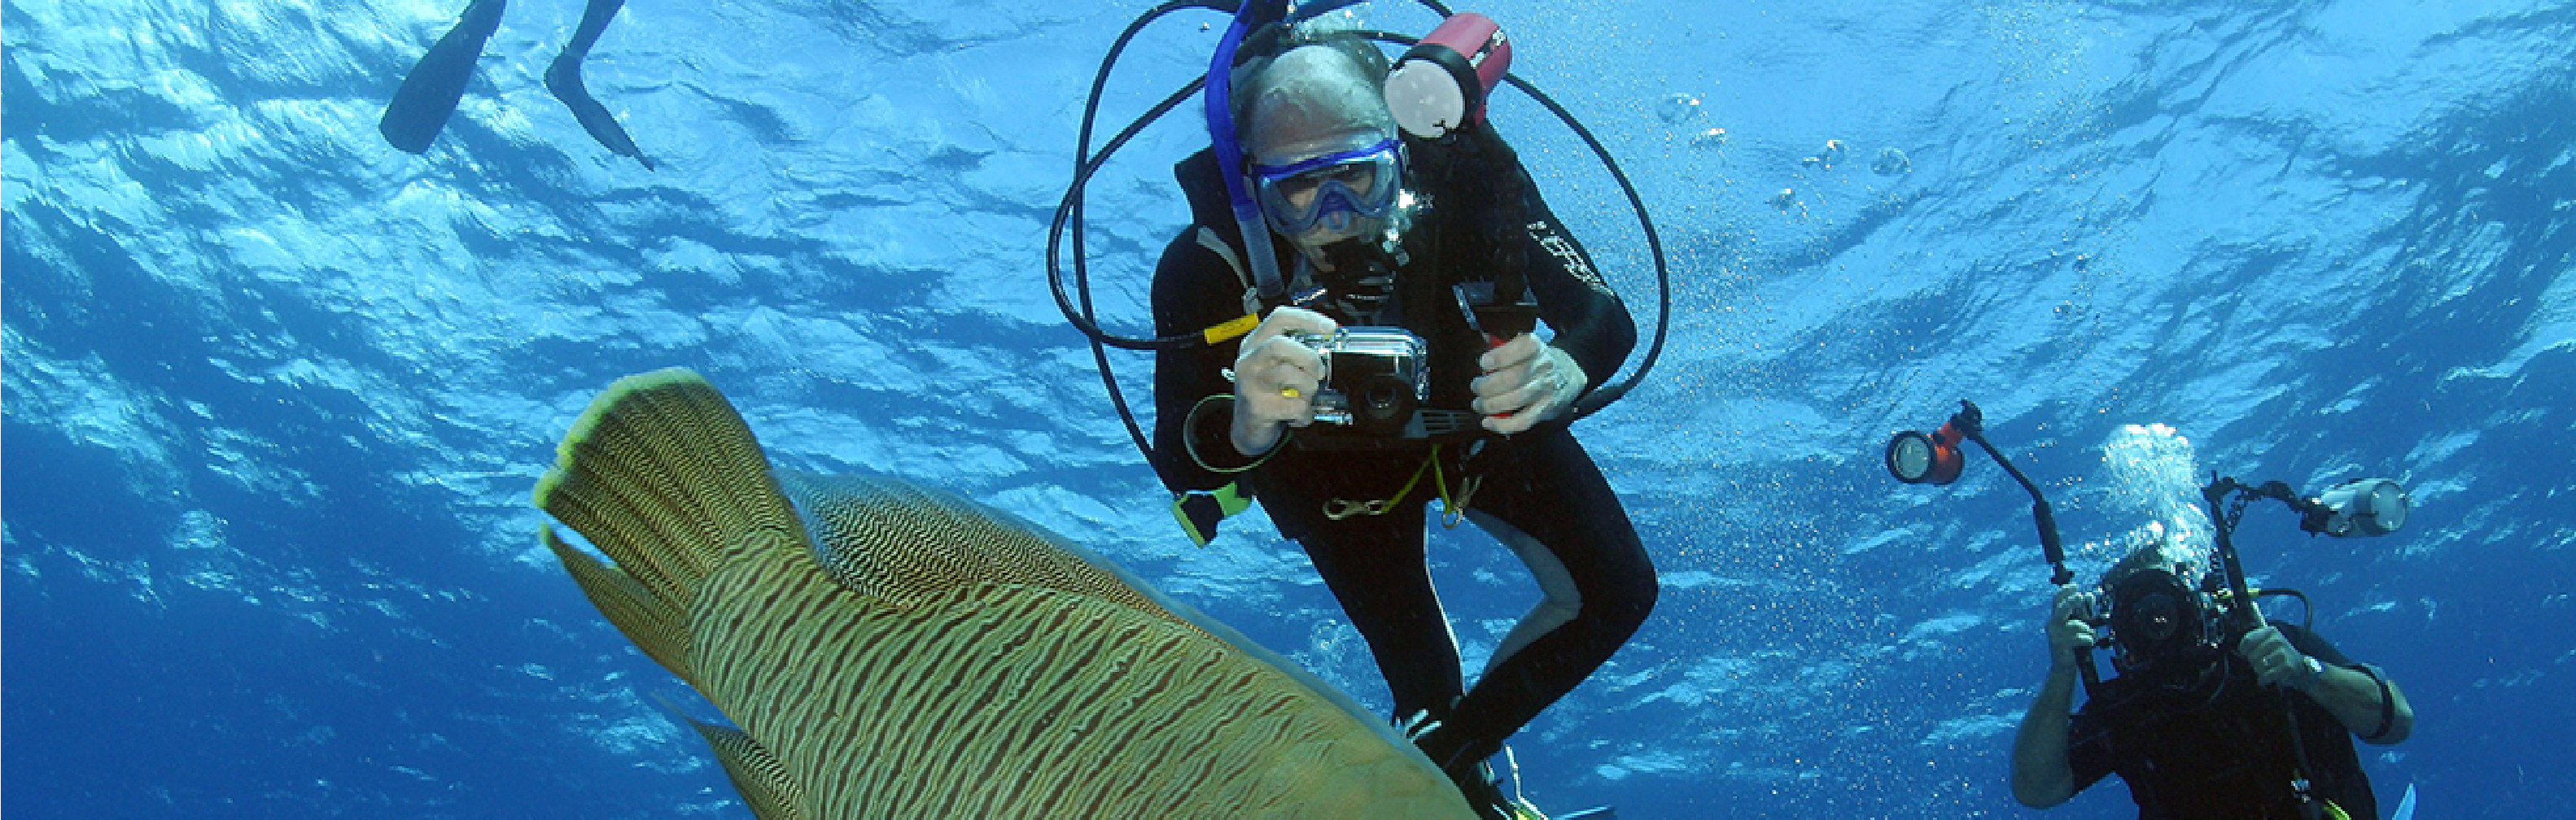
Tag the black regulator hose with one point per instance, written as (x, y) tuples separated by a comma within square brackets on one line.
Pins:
[(1069, 213), (1068, 218)]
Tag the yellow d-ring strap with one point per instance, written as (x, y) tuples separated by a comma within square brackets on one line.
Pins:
[(1231, 328), (1341, 508)]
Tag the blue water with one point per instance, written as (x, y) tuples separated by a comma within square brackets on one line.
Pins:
[(276, 393)]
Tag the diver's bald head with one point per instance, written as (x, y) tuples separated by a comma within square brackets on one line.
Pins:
[(1311, 100)]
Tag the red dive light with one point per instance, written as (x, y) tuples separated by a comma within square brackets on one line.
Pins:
[(1440, 84), (1915, 458)]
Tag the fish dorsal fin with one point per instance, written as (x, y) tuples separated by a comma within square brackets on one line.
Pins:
[(903, 543)]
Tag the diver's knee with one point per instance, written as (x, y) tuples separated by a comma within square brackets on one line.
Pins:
[(1625, 606)]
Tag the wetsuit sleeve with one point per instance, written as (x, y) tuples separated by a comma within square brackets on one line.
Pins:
[(1591, 323), (2088, 749), (1194, 289)]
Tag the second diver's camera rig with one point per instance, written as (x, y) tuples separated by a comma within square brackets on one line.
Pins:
[(2363, 508)]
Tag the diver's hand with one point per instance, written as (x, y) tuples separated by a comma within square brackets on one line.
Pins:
[(2069, 634), (2276, 662), (1526, 381), (1275, 378)]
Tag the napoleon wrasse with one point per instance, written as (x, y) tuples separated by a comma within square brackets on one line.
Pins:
[(891, 652)]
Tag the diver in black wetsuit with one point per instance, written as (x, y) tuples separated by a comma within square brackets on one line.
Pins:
[(1377, 229), (2195, 729)]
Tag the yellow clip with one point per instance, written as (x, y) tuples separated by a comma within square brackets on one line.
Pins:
[(1231, 328)]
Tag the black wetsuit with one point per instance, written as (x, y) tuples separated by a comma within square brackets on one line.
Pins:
[(1484, 214), (2218, 747)]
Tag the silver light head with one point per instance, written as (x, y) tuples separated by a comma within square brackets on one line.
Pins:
[(2367, 507)]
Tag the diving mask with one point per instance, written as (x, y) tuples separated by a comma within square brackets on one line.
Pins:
[(1331, 190)]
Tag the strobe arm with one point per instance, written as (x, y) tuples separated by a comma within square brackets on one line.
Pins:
[(1970, 422)]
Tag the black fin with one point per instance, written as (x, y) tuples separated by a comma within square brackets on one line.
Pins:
[(429, 93), (563, 78)]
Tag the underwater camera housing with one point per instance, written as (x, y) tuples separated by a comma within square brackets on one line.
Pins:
[(1375, 378), (2156, 613)]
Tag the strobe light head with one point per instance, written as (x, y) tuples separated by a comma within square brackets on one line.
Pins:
[(2355, 509), (1440, 85), (1916, 458)]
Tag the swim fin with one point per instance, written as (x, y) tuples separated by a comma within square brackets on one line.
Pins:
[(429, 93), (563, 77)]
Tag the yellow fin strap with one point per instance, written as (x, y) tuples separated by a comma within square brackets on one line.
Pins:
[(1231, 328)]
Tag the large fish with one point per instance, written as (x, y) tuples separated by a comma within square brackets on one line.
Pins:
[(887, 651)]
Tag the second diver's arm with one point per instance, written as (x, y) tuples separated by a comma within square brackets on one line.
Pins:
[(2041, 776), (2043, 773), (2361, 698), (2354, 698)]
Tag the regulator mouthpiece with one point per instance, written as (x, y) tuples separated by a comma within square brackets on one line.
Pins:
[(2353, 509), (1915, 458), (1440, 84)]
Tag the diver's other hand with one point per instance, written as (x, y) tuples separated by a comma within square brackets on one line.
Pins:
[(1275, 378), (2069, 633), (2276, 662), (1526, 381)]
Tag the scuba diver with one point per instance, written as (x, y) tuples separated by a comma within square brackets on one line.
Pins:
[(2217, 711), (2193, 726), (1403, 365)]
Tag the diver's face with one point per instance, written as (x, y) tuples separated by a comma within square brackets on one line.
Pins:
[(1326, 188)]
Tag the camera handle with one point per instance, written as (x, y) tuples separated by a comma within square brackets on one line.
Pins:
[(2245, 616), (1970, 422)]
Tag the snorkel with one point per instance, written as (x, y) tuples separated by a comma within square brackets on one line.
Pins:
[(1226, 138), (1229, 147)]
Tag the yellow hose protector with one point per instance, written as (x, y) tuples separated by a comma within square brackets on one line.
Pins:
[(1231, 328)]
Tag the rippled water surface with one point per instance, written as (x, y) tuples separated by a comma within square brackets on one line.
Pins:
[(276, 392)]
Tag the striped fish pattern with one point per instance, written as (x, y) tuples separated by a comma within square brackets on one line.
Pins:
[(888, 651)]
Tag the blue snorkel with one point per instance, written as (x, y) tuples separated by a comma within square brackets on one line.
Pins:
[(1229, 150), (1228, 143)]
